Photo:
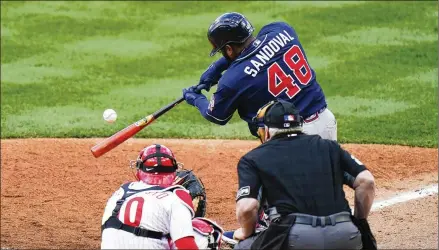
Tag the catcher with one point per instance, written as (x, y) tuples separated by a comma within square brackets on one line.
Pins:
[(156, 212)]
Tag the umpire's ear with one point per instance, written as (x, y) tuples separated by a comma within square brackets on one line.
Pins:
[(267, 135)]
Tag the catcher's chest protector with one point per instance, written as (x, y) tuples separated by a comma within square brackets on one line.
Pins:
[(114, 222)]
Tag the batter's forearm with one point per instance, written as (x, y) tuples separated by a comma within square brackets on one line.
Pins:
[(202, 105), (222, 64)]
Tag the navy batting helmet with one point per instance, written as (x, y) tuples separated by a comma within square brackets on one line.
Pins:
[(228, 28)]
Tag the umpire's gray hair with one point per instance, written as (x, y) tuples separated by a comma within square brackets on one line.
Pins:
[(277, 131)]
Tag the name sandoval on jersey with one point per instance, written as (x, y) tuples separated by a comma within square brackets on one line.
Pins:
[(267, 52)]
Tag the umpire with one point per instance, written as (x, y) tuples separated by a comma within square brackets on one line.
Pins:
[(302, 180)]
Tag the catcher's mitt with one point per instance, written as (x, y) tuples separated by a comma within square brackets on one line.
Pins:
[(196, 188)]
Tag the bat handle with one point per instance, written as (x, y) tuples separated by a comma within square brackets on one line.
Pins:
[(166, 108), (202, 86)]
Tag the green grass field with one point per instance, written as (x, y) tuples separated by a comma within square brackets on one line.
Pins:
[(64, 63)]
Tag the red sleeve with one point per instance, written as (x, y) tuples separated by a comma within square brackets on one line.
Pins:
[(186, 243)]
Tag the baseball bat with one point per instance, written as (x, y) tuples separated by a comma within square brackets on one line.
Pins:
[(113, 141)]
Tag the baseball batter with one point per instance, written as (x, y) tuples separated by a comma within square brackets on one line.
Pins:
[(152, 213), (272, 65)]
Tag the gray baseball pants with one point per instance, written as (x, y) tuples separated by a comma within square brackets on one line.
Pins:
[(343, 235)]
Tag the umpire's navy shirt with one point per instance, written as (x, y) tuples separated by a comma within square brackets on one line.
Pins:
[(299, 174)]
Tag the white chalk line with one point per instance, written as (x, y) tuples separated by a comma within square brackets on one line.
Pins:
[(404, 197)]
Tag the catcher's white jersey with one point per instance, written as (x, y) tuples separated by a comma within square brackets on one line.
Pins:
[(161, 211)]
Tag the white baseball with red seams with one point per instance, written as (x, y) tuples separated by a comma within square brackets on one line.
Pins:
[(110, 115), (161, 211)]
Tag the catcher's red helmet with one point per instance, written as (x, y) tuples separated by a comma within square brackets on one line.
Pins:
[(156, 165)]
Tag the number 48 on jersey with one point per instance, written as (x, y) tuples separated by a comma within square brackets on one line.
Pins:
[(279, 81)]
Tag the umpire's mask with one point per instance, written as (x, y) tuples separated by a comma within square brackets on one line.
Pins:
[(276, 114)]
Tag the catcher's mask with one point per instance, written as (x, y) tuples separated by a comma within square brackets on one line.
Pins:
[(276, 114), (155, 165)]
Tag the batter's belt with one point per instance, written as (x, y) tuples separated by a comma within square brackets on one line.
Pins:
[(313, 117), (322, 220)]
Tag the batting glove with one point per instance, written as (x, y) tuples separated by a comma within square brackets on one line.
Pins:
[(191, 94)]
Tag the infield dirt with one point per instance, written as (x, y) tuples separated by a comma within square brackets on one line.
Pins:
[(53, 191)]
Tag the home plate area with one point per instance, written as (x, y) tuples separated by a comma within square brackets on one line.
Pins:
[(54, 191)]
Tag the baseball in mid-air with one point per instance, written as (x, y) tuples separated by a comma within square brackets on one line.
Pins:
[(110, 115)]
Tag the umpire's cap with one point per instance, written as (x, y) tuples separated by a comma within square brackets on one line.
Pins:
[(279, 114), (231, 27)]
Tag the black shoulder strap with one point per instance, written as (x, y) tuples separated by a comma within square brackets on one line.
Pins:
[(114, 222), (127, 192)]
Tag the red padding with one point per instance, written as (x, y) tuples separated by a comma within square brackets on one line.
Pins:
[(202, 226), (185, 197)]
